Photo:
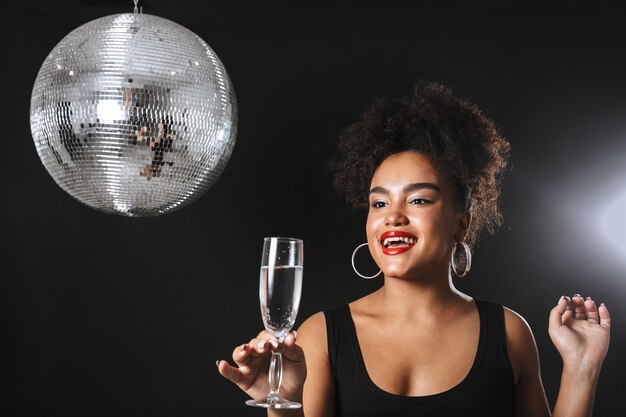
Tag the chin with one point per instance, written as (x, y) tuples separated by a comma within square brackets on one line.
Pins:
[(414, 272), (400, 273)]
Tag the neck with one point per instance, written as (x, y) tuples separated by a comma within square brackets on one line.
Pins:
[(415, 299)]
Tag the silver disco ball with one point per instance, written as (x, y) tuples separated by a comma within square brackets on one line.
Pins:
[(133, 114)]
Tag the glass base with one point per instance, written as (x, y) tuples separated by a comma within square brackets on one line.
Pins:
[(273, 402)]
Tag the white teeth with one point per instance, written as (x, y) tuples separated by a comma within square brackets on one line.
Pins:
[(407, 240)]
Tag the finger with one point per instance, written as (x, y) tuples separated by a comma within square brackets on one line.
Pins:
[(264, 335), (241, 354), (280, 347), (259, 342), (569, 312), (292, 351), (579, 307), (592, 311), (290, 339), (264, 346), (605, 317), (229, 372), (556, 314), (259, 348), (247, 353)]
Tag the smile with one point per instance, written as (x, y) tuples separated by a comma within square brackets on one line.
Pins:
[(397, 242)]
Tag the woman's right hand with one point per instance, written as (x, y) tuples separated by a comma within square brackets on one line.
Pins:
[(253, 359)]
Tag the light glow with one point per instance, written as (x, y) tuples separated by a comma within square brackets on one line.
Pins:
[(612, 222), (110, 110)]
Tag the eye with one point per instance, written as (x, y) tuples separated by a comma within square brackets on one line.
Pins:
[(378, 204), (418, 201)]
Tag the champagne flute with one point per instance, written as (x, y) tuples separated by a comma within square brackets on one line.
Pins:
[(280, 286)]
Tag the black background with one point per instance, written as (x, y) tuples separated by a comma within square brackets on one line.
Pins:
[(106, 315)]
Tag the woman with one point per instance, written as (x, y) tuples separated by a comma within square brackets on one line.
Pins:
[(428, 167)]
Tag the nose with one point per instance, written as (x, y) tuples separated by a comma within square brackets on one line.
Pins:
[(396, 217)]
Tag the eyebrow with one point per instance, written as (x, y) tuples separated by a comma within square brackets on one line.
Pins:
[(408, 188)]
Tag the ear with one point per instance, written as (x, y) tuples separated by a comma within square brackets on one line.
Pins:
[(464, 219)]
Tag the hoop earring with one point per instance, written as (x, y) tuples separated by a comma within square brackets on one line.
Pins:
[(354, 267), (468, 259)]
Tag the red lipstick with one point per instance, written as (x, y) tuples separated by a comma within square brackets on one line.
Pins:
[(395, 242)]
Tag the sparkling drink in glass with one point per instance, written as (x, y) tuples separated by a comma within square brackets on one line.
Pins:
[(280, 287)]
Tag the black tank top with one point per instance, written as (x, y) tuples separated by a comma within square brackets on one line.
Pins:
[(487, 390)]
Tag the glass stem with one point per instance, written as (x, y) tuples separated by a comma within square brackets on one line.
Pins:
[(275, 375)]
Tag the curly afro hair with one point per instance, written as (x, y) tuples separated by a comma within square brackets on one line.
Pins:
[(451, 132)]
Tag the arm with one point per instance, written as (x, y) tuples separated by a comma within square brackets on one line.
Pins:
[(319, 389), (580, 333), (530, 398)]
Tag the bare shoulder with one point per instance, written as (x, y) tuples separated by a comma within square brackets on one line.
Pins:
[(520, 342), (314, 325), (530, 397), (318, 397), (516, 325), (312, 334)]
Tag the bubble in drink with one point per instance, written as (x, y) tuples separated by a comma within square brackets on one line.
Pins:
[(279, 291)]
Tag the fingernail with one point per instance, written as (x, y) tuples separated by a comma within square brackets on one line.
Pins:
[(295, 334), (588, 298), (217, 363), (261, 345), (243, 348), (274, 343), (602, 305), (577, 295), (561, 299)]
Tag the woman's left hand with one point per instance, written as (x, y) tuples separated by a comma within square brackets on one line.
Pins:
[(580, 331)]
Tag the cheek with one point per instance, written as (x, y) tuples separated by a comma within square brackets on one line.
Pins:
[(374, 226), (441, 225), (371, 225)]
